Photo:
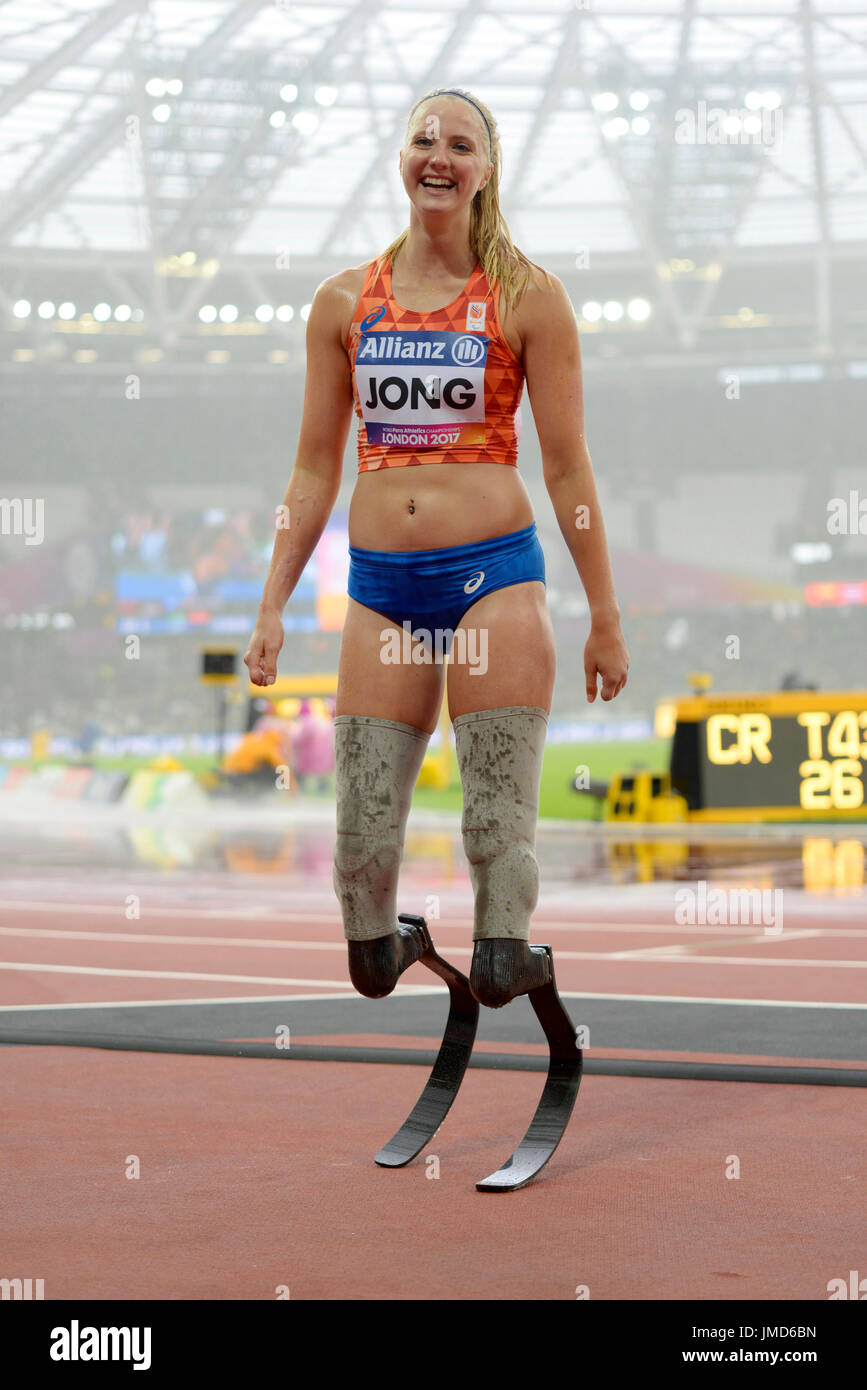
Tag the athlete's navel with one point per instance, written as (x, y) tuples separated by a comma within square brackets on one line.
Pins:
[(411, 506)]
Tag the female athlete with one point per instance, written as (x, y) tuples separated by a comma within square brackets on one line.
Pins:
[(430, 345)]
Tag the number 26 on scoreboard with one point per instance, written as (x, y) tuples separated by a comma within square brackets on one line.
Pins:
[(833, 785)]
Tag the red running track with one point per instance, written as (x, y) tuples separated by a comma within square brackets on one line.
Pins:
[(254, 1176)]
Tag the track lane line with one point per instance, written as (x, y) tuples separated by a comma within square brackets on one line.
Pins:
[(38, 968), (615, 958), (288, 943), (437, 923), (430, 989)]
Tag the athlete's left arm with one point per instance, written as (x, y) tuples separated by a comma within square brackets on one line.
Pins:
[(552, 367)]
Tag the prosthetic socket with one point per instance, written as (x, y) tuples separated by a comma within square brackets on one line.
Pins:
[(377, 762), (500, 756), (376, 766)]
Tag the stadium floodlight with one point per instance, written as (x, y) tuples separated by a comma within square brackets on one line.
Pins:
[(265, 313), (639, 101), (305, 311), (605, 101), (289, 92), (208, 313), (285, 312), (591, 311), (811, 552), (155, 87), (228, 313), (123, 313), (325, 96), (174, 86), (771, 100), (46, 309), (66, 310), (162, 112), (753, 100), (612, 310), (21, 308), (638, 310), (102, 312), (277, 118), (616, 127), (639, 125)]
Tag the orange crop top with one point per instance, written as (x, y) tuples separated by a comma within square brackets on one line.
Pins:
[(442, 387)]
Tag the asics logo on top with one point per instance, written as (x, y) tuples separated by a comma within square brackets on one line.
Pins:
[(473, 584), (373, 317)]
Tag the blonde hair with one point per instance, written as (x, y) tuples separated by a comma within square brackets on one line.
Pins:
[(490, 237)]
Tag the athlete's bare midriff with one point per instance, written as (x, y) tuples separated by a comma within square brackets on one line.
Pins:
[(427, 506)]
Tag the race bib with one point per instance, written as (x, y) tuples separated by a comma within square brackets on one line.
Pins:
[(422, 389)]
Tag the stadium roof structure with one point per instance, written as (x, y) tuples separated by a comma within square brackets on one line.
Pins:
[(695, 171)]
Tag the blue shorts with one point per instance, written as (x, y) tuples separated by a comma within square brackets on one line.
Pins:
[(434, 588)]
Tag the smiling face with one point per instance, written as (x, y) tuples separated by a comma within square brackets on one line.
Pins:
[(445, 159)]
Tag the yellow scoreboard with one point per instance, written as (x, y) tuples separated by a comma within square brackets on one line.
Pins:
[(785, 755)]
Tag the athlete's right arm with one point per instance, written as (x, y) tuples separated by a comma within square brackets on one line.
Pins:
[(315, 480)]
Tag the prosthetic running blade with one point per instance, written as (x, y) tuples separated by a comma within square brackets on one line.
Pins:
[(442, 1085), (548, 1124), (553, 1112)]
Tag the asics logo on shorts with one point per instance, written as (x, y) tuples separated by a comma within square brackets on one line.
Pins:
[(473, 584)]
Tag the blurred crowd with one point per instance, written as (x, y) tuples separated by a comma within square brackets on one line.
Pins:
[(208, 544), (63, 680), (73, 670)]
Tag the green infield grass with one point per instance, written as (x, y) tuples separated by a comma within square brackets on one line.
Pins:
[(556, 798)]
